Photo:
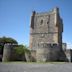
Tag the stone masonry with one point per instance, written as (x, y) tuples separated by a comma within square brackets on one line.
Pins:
[(8, 52), (46, 35)]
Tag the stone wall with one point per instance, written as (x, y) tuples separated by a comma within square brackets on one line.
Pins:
[(68, 53), (8, 52), (50, 53), (33, 55)]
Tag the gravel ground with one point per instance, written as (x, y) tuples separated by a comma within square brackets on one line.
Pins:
[(35, 67)]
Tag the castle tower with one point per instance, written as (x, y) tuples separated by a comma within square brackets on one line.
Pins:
[(46, 35)]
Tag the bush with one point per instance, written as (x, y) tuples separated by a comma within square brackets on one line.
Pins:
[(20, 53)]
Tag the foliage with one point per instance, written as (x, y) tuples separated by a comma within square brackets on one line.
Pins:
[(21, 49), (1, 49), (4, 40), (26, 49), (1, 46)]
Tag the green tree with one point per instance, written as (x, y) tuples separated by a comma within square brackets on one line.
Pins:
[(5, 40), (21, 49)]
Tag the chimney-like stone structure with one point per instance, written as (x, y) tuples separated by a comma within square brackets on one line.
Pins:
[(46, 35)]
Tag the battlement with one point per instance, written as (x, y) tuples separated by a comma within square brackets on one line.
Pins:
[(52, 11)]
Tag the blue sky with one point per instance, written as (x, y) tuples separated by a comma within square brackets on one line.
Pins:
[(15, 17)]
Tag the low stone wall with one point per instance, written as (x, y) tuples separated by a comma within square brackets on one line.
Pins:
[(33, 55), (51, 53), (68, 53), (7, 52)]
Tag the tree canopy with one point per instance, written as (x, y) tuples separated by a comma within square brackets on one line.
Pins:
[(5, 40)]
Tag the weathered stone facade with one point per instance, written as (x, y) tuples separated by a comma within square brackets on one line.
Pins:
[(68, 52), (46, 35), (8, 52)]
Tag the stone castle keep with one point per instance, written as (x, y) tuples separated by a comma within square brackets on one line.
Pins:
[(45, 40), (46, 36)]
